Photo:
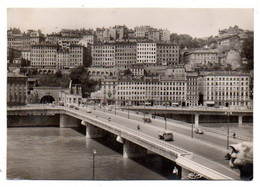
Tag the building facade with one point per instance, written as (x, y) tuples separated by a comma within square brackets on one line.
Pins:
[(204, 57), (16, 89), (167, 54), (59, 56), (146, 53), (227, 89)]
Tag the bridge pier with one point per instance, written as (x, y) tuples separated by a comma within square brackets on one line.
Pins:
[(68, 121), (132, 150), (240, 121), (94, 132), (197, 120)]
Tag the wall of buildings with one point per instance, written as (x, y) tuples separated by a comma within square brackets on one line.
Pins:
[(16, 89)]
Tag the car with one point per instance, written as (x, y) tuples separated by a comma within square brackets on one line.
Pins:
[(71, 106), (194, 176), (76, 108), (147, 120), (110, 108), (166, 135), (88, 110), (198, 131)]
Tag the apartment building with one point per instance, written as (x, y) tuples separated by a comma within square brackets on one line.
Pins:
[(204, 57), (103, 55), (59, 56), (16, 89), (125, 54), (146, 53), (167, 53), (227, 89), (192, 94), (24, 41)]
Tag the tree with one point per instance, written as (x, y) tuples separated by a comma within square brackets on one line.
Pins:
[(248, 52), (23, 70), (127, 72), (25, 63), (79, 75)]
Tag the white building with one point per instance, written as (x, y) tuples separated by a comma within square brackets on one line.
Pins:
[(227, 89), (146, 53)]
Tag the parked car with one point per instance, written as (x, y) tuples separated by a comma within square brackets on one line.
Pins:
[(166, 135), (88, 110), (198, 131), (71, 106), (76, 108), (110, 108), (147, 120)]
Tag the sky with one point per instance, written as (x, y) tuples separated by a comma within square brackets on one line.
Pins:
[(200, 22)]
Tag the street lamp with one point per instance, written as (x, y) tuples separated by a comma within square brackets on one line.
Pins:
[(115, 107), (128, 111), (228, 113), (94, 153), (165, 125), (192, 125)]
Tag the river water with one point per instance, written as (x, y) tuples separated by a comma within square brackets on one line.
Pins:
[(64, 153)]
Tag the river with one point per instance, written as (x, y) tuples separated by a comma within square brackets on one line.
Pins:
[(64, 153)]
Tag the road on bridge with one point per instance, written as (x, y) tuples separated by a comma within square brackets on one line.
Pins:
[(208, 150)]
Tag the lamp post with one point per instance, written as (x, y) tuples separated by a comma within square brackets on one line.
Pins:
[(128, 111), (94, 153), (228, 113), (165, 123), (94, 105), (144, 114), (192, 125), (115, 107)]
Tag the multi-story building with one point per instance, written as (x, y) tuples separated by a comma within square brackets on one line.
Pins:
[(155, 90), (204, 57), (192, 89), (26, 55), (24, 41), (16, 89), (167, 54), (146, 53), (59, 56), (44, 56), (88, 39), (103, 55), (125, 54), (164, 35), (227, 89), (142, 31), (108, 91), (118, 32)]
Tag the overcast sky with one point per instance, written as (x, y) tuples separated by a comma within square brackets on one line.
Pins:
[(195, 22)]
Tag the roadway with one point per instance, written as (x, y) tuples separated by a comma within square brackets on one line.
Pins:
[(204, 147)]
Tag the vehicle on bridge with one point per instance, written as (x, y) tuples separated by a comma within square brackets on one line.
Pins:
[(88, 110), (71, 106), (76, 108), (147, 120), (194, 176), (166, 135), (198, 131)]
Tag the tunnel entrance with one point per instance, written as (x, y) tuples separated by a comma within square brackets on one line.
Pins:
[(47, 99)]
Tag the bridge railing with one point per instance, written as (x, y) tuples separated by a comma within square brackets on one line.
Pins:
[(135, 134)]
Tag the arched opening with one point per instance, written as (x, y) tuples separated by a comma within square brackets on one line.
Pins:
[(47, 99)]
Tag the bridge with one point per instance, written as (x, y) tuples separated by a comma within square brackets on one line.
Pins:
[(196, 111), (187, 154)]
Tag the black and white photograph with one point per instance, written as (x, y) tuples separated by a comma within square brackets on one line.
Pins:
[(129, 94)]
